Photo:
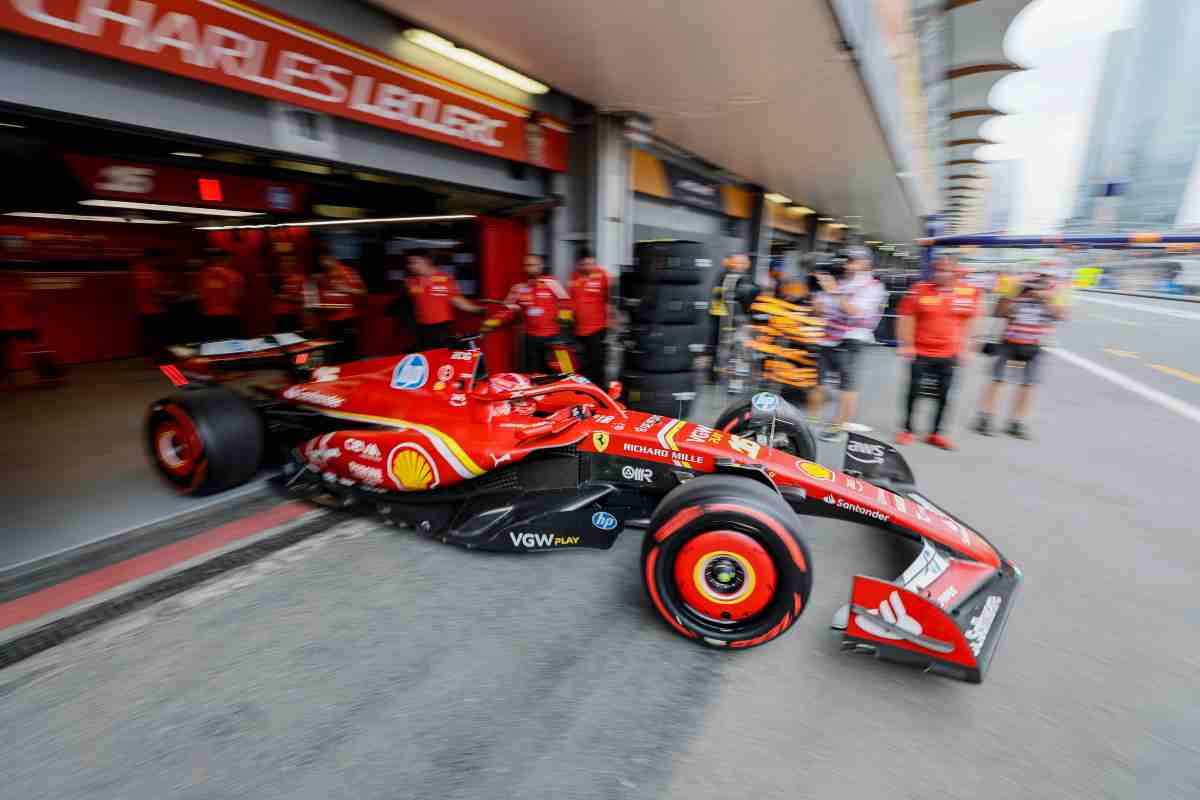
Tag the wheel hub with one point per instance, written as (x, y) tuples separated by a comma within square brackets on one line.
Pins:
[(725, 576)]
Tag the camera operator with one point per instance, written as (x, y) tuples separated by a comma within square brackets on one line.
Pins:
[(851, 307), (1029, 318)]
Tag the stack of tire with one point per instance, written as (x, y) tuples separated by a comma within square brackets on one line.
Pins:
[(667, 298)]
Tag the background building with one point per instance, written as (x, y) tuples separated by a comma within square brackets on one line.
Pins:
[(1146, 123)]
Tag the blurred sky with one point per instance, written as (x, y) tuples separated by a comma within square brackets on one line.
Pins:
[(1062, 44)]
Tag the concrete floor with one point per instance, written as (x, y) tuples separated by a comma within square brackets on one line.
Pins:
[(73, 466), (371, 663)]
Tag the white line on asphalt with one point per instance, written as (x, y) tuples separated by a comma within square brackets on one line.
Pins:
[(1166, 312), (1165, 400)]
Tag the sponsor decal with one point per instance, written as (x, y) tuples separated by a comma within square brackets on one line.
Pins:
[(648, 423), (324, 374), (460, 355), (604, 419), (600, 441), (502, 409), (856, 508), (411, 373), (666, 436), (524, 407), (746, 447), (765, 402), (945, 597), (313, 397), (702, 435), (498, 460), (659, 453), (604, 521), (372, 476), (445, 372), (864, 452), (855, 485), (533, 540), (411, 468), (815, 470), (365, 450), (578, 379), (639, 474), (318, 451), (458, 400), (437, 387), (981, 624), (620, 426), (891, 610)]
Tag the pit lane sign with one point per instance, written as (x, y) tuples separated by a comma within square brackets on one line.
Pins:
[(251, 49)]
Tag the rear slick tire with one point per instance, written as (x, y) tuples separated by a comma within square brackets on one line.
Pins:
[(723, 562), (205, 441)]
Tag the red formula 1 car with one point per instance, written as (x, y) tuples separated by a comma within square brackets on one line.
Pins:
[(523, 463)]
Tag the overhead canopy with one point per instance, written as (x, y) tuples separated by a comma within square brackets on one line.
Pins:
[(977, 63), (761, 89)]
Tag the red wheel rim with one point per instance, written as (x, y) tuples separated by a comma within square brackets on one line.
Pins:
[(176, 443), (725, 576)]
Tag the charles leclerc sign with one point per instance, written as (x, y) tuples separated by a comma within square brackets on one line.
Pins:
[(242, 46)]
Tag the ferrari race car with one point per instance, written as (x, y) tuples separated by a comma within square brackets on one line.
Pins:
[(525, 463)]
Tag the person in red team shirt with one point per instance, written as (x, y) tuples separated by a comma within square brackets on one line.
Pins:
[(434, 296), (933, 328), (221, 291), (340, 287), (16, 317), (287, 301), (544, 304), (589, 299), (150, 293)]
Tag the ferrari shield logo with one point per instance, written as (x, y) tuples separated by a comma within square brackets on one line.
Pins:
[(600, 441)]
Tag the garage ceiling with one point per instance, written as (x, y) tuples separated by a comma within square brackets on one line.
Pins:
[(761, 89)]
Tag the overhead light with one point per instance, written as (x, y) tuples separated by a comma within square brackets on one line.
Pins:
[(872, 243), (799, 211), (323, 222), (301, 166), (839, 225), (207, 212), (904, 175), (469, 58), (776, 197), (825, 219), (339, 212), (187, 154), (10, 125), (87, 218)]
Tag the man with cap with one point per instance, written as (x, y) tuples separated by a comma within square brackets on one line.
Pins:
[(1029, 318), (934, 328), (851, 308)]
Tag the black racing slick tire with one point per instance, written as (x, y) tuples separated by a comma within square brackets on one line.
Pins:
[(673, 304), (676, 261), (206, 440), (724, 563), (663, 348), (792, 433)]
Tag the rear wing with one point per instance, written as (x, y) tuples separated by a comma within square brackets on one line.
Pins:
[(213, 362)]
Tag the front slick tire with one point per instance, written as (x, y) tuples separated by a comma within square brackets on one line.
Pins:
[(724, 563)]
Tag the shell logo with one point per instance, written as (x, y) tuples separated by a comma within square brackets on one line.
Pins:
[(411, 468), (815, 470)]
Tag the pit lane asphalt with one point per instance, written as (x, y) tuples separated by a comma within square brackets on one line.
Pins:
[(370, 663)]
